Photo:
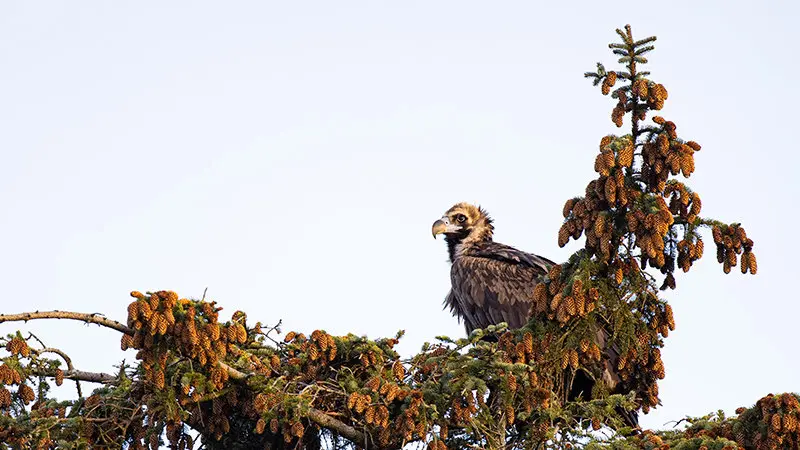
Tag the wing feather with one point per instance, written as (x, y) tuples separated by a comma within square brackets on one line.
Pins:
[(493, 283)]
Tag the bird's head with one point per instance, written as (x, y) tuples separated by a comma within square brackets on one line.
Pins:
[(464, 223)]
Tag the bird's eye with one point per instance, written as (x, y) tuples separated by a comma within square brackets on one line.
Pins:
[(461, 218)]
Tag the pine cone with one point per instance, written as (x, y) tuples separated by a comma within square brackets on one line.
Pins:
[(527, 342), (662, 142), (571, 307), (373, 383), (625, 156), (731, 259), (616, 115), (563, 234), (600, 165), (555, 272), (751, 262), (512, 382), (687, 164), (608, 157), (398, 370), (510, 417), (568, 205), (611, 190), (639, 88), (776, 422), (660, 93)]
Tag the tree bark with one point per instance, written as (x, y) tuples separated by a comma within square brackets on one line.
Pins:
[(99, 319)]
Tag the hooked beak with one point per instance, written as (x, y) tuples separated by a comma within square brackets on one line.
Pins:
[(443, 225)]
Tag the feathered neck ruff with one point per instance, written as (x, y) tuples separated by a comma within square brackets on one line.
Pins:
[(479, 230)]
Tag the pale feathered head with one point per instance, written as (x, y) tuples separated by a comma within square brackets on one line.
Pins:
[(464, 223)]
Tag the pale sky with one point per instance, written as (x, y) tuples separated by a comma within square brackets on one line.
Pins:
[(291, 157)]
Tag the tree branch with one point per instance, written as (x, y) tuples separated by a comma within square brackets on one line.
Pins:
[(67, 359), (57, 352), (233, 373), (339, 427), (93, 377), (319, 417), (80, 375), (83, 317)]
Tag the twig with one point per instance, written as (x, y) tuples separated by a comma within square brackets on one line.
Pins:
[(83, 317), (33, 336), (57, 352), (677, 422), (128, 423), (275, 328)]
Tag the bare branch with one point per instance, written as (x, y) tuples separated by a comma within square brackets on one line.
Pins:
[(83, 317), (57, 352), (66, 359), (233, 373), (93, 377), (339, 427), (80, 375)]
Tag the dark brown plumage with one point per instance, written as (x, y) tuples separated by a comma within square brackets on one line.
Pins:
[(493, 283)]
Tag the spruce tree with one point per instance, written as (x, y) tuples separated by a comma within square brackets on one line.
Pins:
[(237, 384)]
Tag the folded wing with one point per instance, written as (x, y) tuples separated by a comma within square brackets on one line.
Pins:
[(493, 283)]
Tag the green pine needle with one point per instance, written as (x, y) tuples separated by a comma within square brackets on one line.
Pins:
[(624, 36), (646, 40)]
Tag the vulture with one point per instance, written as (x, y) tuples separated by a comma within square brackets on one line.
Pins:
[(492, 283)]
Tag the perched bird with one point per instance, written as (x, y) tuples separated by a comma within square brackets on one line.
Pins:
[(493, 283)]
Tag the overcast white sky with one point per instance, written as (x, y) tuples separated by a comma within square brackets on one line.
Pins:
[(291, 157)]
